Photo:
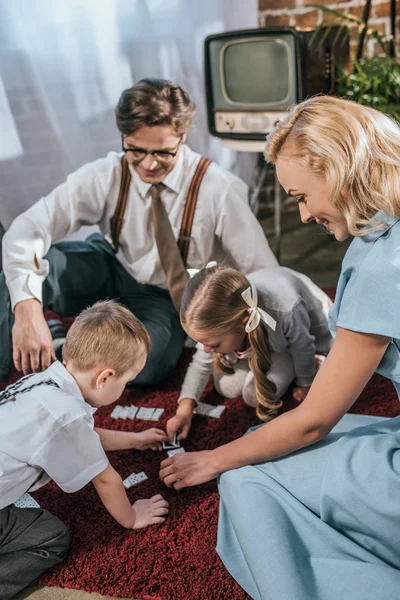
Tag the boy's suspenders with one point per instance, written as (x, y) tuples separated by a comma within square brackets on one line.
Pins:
[(188, 213), (14, 389)]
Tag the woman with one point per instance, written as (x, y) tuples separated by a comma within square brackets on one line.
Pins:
[(323, 523)]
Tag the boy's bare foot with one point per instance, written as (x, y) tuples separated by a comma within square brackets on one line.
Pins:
[(150, 511)]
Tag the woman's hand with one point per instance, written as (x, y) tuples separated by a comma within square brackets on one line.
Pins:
[(182, 421), (151, 439), (188, 469), (300, 392)]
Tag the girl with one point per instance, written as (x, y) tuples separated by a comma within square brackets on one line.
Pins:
[(303, 517), (258, 353)]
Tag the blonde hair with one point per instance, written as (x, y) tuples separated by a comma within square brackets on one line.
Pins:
[(106, 335), (213, 303), (354, 147)]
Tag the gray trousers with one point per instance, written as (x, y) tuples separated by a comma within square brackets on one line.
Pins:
[(31, 541), (82, 273)]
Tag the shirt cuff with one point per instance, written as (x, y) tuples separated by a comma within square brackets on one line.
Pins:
[(27, 287), (83, 478), (304, 381), (193, 396)]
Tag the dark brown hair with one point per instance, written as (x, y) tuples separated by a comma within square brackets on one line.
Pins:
[(213, 303), (106, 334), (152, 102)]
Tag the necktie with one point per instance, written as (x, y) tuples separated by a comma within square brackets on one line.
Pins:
[(170, 257)]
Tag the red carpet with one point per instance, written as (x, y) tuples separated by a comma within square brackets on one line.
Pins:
[(176, 560)]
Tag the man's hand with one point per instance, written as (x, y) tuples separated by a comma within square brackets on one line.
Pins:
[(150, 511), (32, 344), (182, 421), (188, 469), (151, 439)]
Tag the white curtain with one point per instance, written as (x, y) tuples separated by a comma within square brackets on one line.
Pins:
[(63, 65)]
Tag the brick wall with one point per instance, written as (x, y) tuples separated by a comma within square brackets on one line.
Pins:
[(297, 14)]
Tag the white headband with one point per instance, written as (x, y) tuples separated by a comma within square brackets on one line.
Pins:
[(256, 314), (193, 272)]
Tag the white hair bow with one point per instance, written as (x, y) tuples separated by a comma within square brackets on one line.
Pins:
[(256, 314), (193, 272)]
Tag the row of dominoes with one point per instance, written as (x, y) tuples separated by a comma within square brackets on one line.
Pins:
[(208, 410), (134, 412)]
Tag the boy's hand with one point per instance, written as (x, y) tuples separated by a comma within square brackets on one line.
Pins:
[(151, 439), (299, 393), (150, 511), (182, 421)]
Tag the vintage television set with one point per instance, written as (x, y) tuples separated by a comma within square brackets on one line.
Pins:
[(252, 76)]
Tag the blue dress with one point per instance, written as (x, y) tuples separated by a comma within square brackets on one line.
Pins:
[(324, 522)]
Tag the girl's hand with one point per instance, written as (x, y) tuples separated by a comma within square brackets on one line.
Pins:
[(182, 421), (150, 511), (299, 393), (188, 469), (151, 439)]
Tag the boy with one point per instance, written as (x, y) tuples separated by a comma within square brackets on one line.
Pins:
[(46, 432)]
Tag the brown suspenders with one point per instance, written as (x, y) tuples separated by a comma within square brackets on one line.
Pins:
[(188, 213), (190, 207), (118, 216)]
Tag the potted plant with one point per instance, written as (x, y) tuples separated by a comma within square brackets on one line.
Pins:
[(373, 81)]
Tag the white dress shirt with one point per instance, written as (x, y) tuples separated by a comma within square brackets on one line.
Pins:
[(223, 227), (47, 433)]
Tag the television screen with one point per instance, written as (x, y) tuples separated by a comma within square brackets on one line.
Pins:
[(256, 71), (253, 72)]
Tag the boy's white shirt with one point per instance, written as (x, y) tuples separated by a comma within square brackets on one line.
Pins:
[(223, 227), (47, 433)]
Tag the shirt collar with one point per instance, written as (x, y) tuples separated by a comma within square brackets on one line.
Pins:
[(64, 379), (379, 217), (173, 180)]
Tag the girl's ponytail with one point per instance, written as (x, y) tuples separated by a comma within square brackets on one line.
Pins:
[(260, 363)]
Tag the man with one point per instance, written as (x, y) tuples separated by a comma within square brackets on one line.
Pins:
[(130, 259)]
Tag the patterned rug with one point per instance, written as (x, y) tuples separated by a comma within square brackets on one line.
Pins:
[(175, 560)]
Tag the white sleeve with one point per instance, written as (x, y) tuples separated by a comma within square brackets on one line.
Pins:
[(197, 375), (79, 201), (240, 232), (73, 456)]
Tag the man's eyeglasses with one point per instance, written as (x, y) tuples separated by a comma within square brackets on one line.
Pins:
[(163, 157)]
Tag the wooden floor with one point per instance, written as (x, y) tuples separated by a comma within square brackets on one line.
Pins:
[(37, 592)]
